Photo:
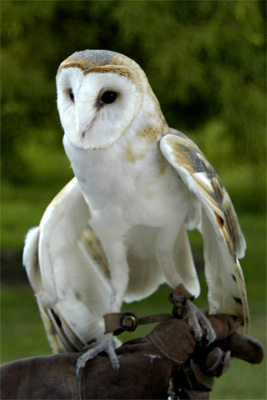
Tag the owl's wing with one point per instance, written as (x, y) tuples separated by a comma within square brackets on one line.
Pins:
[(223, 240), (67, 270)]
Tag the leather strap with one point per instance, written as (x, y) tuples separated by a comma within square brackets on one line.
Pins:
[(120, 322), (128, 321)]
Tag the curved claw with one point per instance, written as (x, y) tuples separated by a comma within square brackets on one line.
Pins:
[(107, 345), (196, 319)]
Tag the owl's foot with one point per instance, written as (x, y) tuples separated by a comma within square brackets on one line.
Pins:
[(184, 308), (197, 319), (107, 345)]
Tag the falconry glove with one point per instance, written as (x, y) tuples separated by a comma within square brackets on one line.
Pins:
[(167, 363)]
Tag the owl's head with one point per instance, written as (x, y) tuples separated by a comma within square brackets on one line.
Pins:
[(99, 94)]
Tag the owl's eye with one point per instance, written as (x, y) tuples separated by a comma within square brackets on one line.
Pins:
[(71, 95), (108, 97)]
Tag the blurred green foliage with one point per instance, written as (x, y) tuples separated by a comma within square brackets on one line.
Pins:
[(205, 61)]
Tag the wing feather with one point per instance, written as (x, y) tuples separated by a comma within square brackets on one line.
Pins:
[(223, 239), (67, 269)]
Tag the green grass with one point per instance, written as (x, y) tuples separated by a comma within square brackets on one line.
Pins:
[(22, 333)]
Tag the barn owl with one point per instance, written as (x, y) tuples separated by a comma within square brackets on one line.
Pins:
[(119, 229)]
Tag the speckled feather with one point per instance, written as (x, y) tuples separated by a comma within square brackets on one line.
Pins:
[(190, 157), (201, 177)]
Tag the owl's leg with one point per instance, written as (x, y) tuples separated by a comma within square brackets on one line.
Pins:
[(165, 257), (164, 251), (112, 241), (115, 251)]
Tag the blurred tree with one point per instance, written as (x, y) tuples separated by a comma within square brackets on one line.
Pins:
[(205, 61)]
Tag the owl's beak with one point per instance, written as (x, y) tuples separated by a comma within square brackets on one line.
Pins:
[(84, 129)]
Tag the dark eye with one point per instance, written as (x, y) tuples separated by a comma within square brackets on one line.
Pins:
[(71, 95), (108, 97)]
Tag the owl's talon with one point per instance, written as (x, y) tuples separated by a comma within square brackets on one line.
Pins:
[(108, 346), (116, 373), (211, 336), (196, 320), (184, 308), (79, 365)]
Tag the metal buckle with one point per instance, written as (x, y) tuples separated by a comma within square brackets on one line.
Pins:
[(129, 322)]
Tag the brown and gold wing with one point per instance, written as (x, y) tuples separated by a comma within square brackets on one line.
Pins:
[(224, 242)]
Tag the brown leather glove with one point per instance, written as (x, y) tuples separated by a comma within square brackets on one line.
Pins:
[(195, 378), (167, 360)]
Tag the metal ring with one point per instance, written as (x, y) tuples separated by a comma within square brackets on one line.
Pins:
[(129, 322)]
